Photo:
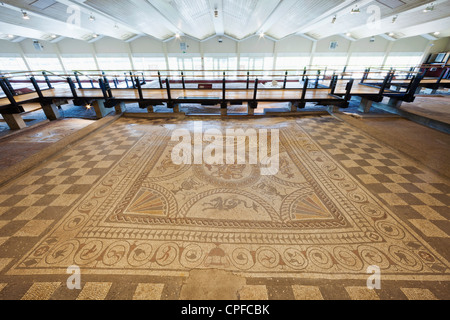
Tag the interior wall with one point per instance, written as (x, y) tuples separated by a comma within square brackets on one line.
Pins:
[(290, 46), (144, 45), (365, 45), (323, 45), (47, 47), (413, 44), (73, 46), (294, 44), (192, 46), (257, 45), (109, 45), (214, 46), (8, 47)]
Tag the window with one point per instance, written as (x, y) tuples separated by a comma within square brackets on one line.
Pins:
[(292, 63), (334, 62), (114, 62), (79, 63), (403, 60), (150, 63), (361, 61), (220, 63), (12, 64), (50, 63)]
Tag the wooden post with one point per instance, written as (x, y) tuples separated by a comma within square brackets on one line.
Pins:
[(348, 90), (14, 121)]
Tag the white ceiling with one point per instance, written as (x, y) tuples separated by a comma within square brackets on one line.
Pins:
[(54, 20)]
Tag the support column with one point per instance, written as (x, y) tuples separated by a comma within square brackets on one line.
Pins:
[(150, 109), (223, 109), (395, 103), (250, 110), (294, 106), (332, 109), (120, 107), (365, 105), (51, 111), (14, 121), (99, 107)]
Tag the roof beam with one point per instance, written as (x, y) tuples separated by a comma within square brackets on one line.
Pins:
[(217, 7), (88, 10), (41, 24), (338, 10), (278, 12), (402, 21), (167, 23)]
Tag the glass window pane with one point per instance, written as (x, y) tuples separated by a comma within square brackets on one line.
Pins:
[(197, 63), (149, 63), (12, 64), (329, 62), (114, 63), (403, 61), (173, 63), (44, 63), (79, 63), (363, 61), (292, 63), (187, 64)]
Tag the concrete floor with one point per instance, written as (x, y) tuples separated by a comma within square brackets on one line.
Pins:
[(433, 107), (350, 193)]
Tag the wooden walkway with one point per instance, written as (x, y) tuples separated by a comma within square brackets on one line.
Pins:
[(132, 95)]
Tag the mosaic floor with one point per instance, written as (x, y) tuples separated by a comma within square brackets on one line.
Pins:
[(140, 226)]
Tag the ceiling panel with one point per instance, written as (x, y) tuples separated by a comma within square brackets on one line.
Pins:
[(57, 11), (138, 14), (238, 19), (192, 17), (243, 18), (301, 13), (361, 26)]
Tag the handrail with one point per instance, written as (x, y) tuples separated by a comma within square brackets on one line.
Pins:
[(236, 73), (83, 75)]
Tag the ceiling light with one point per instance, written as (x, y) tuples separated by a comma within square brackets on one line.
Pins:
[(355, 10), (91, 18), (334, 19), (394, 18), (437, 33), (53, 36), (261, 34), (25, 15), (348, 34), (429, 8), (177, 35), (391, 34), (10, 36), (95, 35)]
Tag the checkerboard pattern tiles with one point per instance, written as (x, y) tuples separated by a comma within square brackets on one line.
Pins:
[(417, 195), (167, 291), (35, 202)]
